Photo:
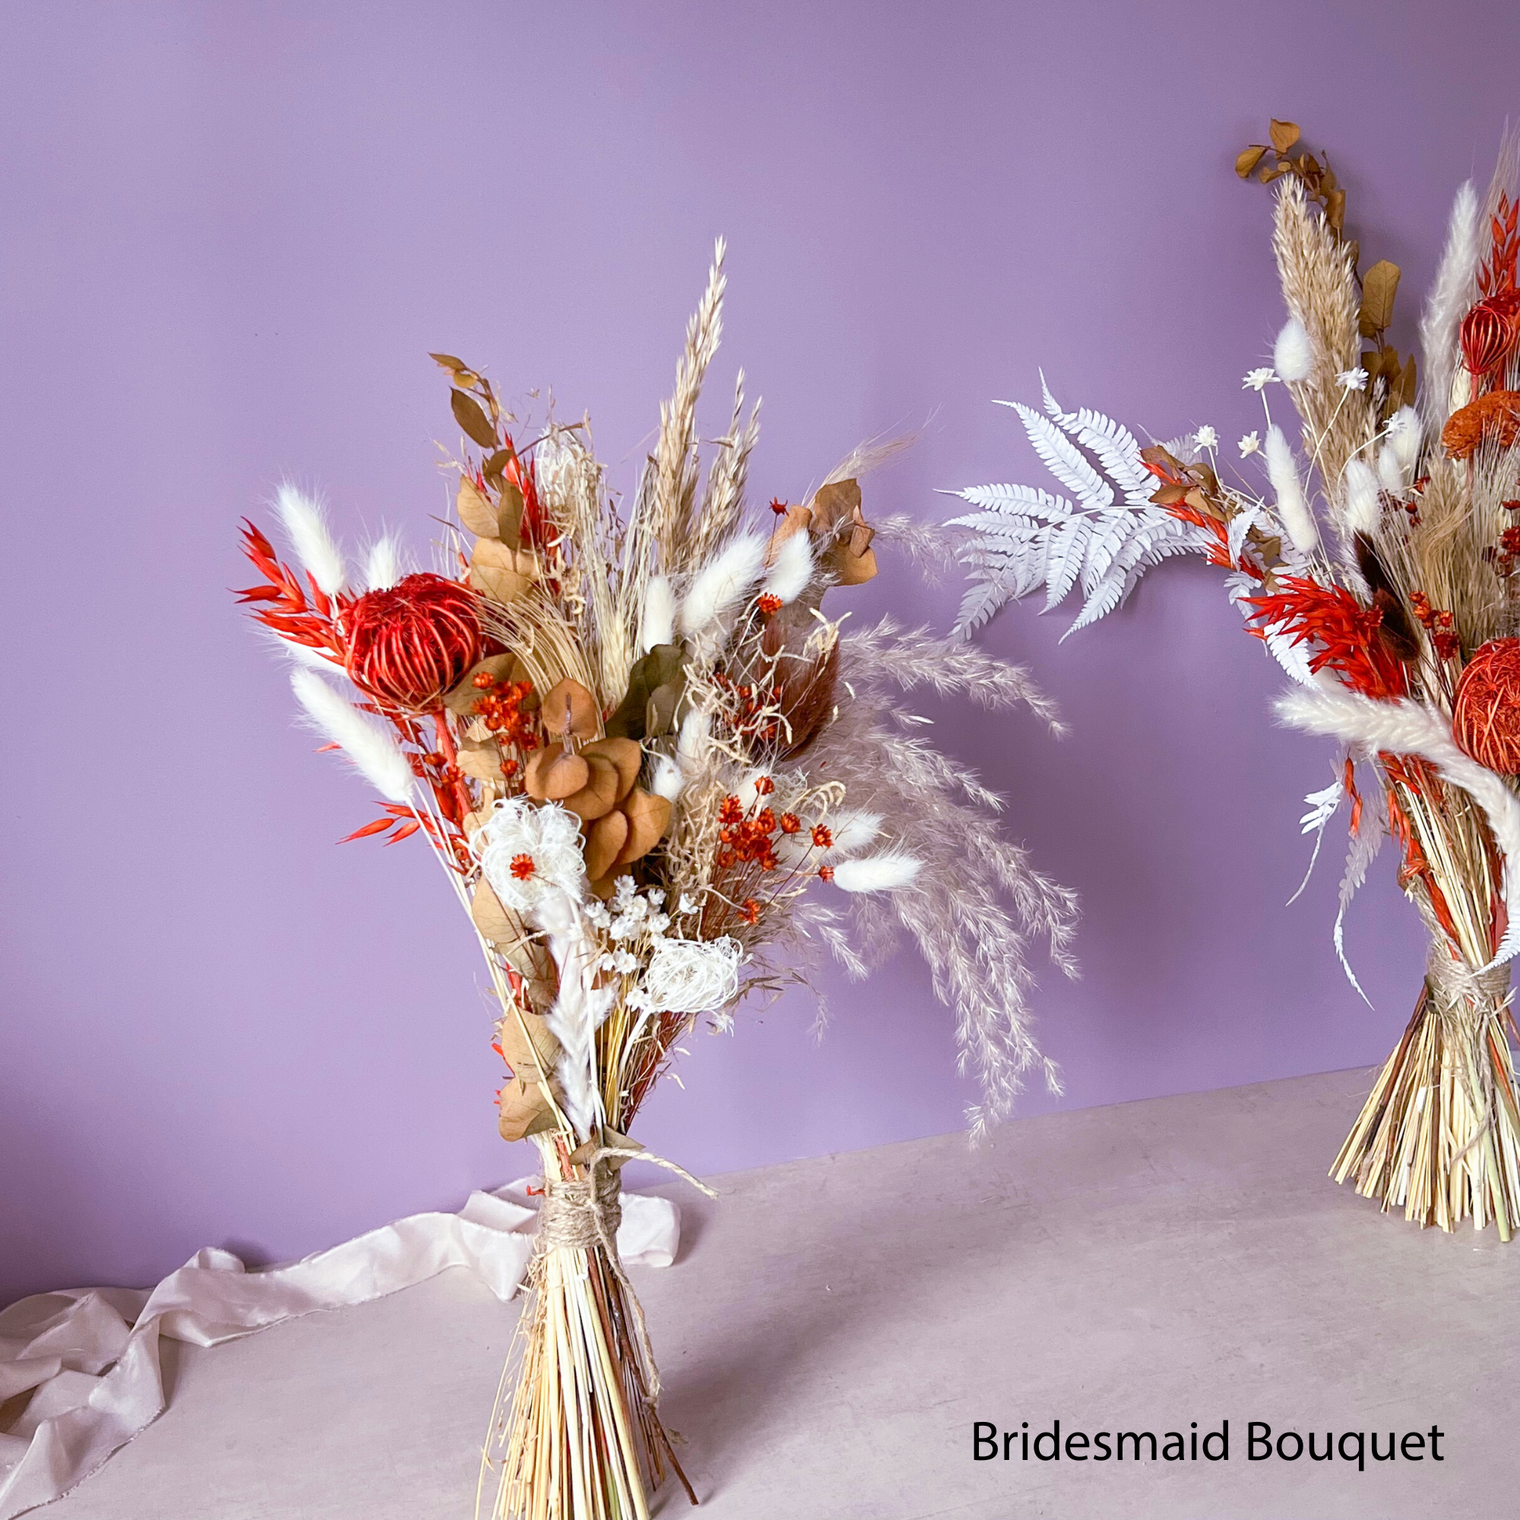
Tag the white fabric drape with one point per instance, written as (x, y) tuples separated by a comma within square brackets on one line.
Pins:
[(91, 1354)]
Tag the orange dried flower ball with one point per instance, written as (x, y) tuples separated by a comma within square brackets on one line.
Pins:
[(1486, 715)]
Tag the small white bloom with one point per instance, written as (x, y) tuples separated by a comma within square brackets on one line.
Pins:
[(597, 914), (606, 963), (1352, 379), (1259, 380), (527, 852), (1206, 438), (625, 961), (622, 890), (658, 924), (1250, 444), (688, 903)]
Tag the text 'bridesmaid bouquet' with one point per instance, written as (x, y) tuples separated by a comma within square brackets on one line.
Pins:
[(659, 776), (1380, 562)]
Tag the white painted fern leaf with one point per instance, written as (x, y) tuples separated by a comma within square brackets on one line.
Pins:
[(1103, 541)]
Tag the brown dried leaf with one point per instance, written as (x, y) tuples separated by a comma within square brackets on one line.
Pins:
[(448, 362), (475, 511), (494, 921), (570, 709), (472, 421), (525, 1110), (501, 573), (1283, 134), (509, 519), (1379, 286), (481, 761), (1247, 161)]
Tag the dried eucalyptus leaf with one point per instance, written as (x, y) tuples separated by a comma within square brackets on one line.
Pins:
[(472, 421), (448, 362), (1283, 134), (662, 666), (1247, 161)]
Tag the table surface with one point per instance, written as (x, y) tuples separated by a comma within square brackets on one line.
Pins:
[(834, 1327)]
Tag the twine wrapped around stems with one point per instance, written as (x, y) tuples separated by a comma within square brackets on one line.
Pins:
[(583, 1213)]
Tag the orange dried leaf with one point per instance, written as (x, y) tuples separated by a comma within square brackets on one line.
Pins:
[(1284, 134), (1247, 161)]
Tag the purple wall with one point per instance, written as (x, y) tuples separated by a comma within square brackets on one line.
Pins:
[(228, 235)]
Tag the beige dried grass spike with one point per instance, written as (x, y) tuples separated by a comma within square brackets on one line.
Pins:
[(1319, 287)]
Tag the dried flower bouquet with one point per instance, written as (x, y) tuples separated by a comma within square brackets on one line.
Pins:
[(1379, 565), (646, 758)]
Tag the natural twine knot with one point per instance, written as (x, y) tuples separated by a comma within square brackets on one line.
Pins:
[(582, 1213), (1457, 988)]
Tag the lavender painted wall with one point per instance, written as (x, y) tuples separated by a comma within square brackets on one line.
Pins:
[(228, 235)]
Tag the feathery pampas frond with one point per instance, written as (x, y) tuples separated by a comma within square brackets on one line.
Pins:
[(890, 871), (1447, 304), (1294, 511), (306, 527), (368, 746)]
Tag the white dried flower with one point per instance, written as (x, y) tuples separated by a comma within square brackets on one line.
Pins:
[(1250, 444), (1206, 438), (528, 852), (624, 962), (1259, 380), (1291, 353), (692, 975), (1352, 379), (687, 904)]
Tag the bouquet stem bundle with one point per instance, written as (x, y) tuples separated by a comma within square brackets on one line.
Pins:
[(1440, 1134), (580, 1433)]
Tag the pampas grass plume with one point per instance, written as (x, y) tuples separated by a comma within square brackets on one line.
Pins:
[(313, 543), (1292, 356), (1291, 506), (375, 755)]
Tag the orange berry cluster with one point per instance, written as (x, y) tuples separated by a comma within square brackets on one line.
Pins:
[(500, 706), (749, 716), (1438, 623)]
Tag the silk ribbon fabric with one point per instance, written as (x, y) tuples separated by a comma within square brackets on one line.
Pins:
[(89, 1356)]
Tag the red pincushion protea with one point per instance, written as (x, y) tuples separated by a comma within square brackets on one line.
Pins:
[(414, 641), (1486, 717)]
